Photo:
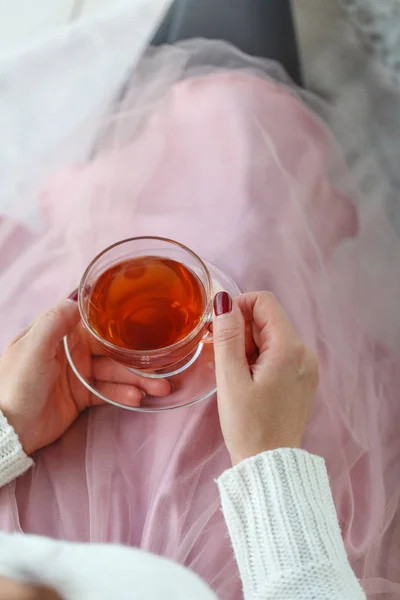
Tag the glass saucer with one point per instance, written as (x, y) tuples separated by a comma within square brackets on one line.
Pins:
[(194, 384)]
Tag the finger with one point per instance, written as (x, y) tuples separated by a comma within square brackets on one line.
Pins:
[(229, 341), (50, 328), (250, 339), (117, 392), (107, 370), (271, 325), (21, 334), (79, 337)]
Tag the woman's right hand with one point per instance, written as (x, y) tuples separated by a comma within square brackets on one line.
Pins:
[(266, 377)]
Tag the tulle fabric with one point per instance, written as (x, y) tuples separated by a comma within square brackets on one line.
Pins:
[(221, 152)]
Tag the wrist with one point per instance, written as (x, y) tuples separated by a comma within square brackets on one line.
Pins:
[(239, 457)]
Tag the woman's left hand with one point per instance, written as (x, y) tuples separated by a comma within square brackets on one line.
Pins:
[(39, 394)]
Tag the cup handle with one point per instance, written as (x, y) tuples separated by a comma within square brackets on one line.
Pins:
[(208, 335)]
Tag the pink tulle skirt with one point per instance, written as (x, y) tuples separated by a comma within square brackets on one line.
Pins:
[(222, 153)]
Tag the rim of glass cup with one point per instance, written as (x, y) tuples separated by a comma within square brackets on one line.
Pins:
[(159, 351)]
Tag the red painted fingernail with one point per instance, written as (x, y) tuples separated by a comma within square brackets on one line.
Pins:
[(74, 296), (222, 304)]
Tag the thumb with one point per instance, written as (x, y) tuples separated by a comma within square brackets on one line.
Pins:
[(50, 328), (229, 339)]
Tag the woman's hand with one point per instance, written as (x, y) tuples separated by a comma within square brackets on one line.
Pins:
[(39, 394), (266, 377)]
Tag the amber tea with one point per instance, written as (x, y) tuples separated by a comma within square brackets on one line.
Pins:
[(146, 303)]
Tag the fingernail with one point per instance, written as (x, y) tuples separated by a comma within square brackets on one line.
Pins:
[(222, 304), (74, 296)]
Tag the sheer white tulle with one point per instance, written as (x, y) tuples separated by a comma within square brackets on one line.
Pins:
[(221, 152), (378, 24)]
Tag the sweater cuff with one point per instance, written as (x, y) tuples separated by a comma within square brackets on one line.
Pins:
[(281, 518), (13, 460)]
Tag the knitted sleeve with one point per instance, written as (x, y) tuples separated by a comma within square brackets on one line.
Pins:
[(13, 460), (284, 529)]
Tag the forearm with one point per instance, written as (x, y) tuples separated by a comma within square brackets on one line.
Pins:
[(284, 529), (13, 460)]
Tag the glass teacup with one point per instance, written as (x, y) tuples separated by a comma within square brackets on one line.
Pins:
[(147, 302)]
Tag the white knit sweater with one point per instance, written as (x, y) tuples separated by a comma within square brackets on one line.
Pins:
[(281, 519)]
